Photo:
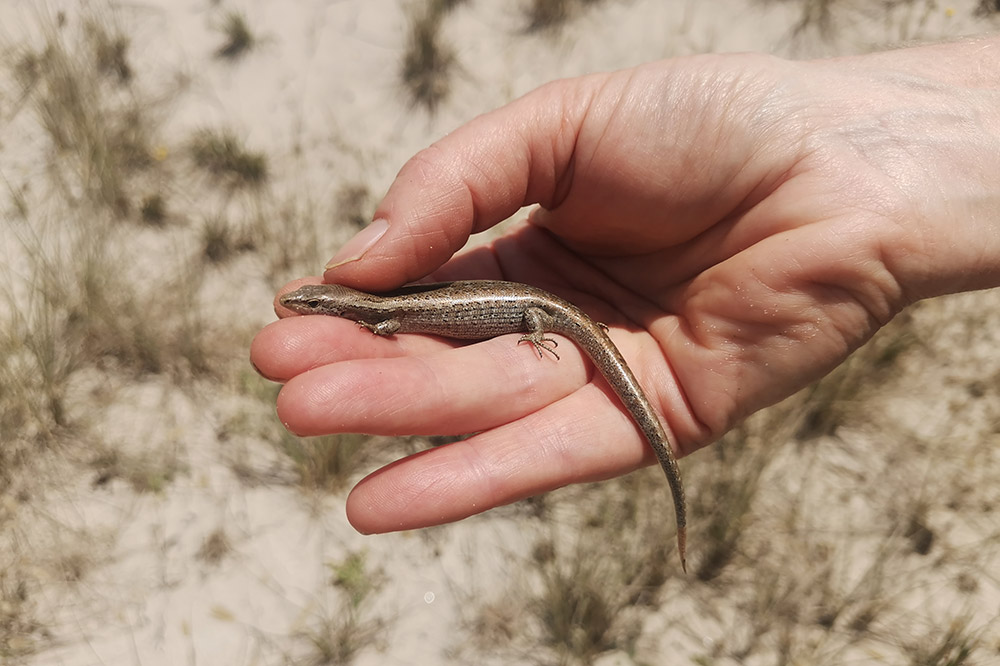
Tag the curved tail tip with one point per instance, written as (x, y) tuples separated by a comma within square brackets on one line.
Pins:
[(682, 547)]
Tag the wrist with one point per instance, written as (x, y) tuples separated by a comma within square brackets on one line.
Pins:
[(970, 62), (939, 125)]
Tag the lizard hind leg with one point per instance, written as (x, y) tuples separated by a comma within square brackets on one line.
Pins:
[(540, 343), (534, 322)]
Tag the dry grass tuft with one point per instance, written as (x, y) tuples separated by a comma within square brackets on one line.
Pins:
[(987, 7), (145, 473), (110, 51), (20, 633), (723, 506), (356, 204), (272, 225), (588, 582), (326, 463), (840, 396), (80, 86), (428, 62), (348, 627), (221, 242), (238, 39), (35, 368), (215, 547), (225, 157), (542, 15), (316, 464), (153, 210), (552, 15), (954, 645)]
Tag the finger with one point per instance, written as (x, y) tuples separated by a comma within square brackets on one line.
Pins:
[(291, 346), (456, 391), (471, 179), (577, 439)]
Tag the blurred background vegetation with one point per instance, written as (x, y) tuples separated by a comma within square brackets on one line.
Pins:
[(144, 230)]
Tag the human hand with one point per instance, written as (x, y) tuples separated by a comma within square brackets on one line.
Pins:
[(741, 223)]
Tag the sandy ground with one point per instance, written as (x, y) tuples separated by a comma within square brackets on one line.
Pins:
[(320, 94)]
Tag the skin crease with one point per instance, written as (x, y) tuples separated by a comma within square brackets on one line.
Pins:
[(741, 223)]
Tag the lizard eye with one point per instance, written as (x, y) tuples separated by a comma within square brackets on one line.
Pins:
[(313, 304)]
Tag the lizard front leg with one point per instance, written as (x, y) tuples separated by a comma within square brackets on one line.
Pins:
[(383, 328)]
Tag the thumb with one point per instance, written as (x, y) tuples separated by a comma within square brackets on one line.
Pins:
[(466, 182)]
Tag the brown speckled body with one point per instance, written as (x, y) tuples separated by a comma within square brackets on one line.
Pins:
[(481, 309)]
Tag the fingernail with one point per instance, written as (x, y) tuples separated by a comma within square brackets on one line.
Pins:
[(363, 241), (258, 371)]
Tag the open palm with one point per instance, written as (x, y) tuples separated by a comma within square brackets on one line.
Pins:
[(741, 223)]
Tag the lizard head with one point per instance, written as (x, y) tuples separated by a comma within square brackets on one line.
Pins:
[(328, 299)]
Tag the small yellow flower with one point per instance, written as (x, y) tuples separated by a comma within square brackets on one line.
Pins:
[(160, 153), (949, 12)]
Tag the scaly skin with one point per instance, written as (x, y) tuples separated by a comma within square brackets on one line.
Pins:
[(481, 309)]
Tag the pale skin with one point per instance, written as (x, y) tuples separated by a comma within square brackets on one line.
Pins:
[(741, 223)]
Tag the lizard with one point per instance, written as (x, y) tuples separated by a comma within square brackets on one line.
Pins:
[(482, 309)]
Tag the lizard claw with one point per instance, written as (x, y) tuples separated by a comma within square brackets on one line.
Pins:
[(546, 344)]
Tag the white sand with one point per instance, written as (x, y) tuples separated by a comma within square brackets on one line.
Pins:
[(321, 96)]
